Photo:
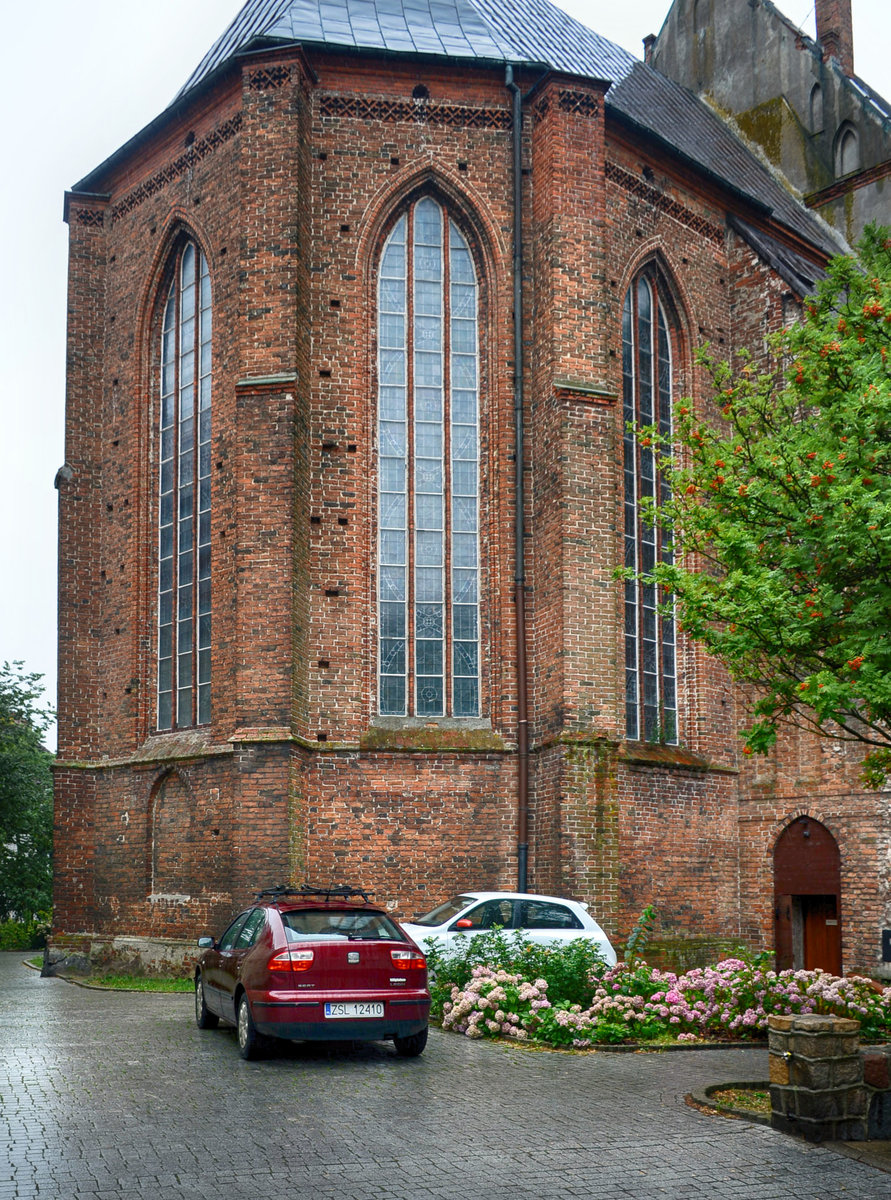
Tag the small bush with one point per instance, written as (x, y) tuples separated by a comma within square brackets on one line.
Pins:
[(24, 935), (570, 968), (631, 1003)]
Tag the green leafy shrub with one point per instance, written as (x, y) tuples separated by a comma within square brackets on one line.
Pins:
[(570, 968), (24, 935), (636, 1002)]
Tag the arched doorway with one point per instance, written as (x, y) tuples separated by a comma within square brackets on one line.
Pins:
[(807, 898)]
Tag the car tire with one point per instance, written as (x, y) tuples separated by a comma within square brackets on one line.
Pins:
[(411, 1046), (204, 1018), (249, 1041)]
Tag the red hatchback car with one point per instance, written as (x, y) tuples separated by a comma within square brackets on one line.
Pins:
[(314, 963)]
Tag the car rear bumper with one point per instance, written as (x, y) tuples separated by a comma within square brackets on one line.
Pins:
[(305, 1020)]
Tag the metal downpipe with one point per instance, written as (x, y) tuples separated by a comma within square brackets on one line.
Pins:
[(519, 494)]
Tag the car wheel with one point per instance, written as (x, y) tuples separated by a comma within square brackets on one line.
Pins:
[(204, 1018), (411, 1046), (249, 1041)]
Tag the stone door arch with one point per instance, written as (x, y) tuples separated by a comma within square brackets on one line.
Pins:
[(807, 897)]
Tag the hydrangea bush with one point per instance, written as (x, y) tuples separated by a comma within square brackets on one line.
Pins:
[(637, 1002)]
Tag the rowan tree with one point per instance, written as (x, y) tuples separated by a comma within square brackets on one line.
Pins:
[(779, 511)]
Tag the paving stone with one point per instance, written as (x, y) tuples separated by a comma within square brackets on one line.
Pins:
[(117, 1096)]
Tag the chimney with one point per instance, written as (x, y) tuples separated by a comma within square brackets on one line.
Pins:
[(649, 42), (835, 32)]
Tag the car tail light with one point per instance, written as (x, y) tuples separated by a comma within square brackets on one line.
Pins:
[(291, 960), (407, 959)]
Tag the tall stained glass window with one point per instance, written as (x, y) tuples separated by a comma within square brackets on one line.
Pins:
[(650, 639), (428, 469), (184, 613)]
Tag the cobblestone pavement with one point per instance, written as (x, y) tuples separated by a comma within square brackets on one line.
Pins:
[(118, 1096)]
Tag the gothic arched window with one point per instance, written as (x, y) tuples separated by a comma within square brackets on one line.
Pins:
[(428, 437), (816, 114), (650, 645), (184, 616), (847, 151)]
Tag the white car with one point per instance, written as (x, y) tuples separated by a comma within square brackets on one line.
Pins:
[(543, 919)]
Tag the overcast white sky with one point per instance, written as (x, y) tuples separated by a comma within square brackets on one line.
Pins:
[(80, 80)]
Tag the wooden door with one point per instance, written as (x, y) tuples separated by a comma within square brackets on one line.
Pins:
[(822, 934), (807, 898)]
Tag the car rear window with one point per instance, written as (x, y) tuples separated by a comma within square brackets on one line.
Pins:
[(306, 923)]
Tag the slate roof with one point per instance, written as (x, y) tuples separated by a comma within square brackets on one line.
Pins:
[(532, 33), (521, 31)]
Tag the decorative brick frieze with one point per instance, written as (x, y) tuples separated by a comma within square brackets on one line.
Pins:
[(672, 208), (93, 217), (198, 150), (451, 115), (568, 101), (269, 78)]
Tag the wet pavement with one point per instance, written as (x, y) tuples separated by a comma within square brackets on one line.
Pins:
[(118, 1096)]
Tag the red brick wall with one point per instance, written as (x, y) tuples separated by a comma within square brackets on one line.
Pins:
[(287, 179)]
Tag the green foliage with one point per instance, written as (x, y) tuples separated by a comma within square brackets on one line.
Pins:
[(24, 935), (640, 934), (26, 797), (569, 968), (780, 516)]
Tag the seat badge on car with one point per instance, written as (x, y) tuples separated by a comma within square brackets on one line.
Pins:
[(352, 956)]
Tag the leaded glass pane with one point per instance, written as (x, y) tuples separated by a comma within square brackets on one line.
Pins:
[(429, 657), (464, 550), (392, 695), (464, 622), (428, 404), (430, 696), (467, 697), (464, 406), (392, 622), (466, 659), (392, 656), (465, 587), (392, 583), (428, 620), (391, 403), (429, 475), (393, 546), (465, 442), (464, 478), (428, 584), (392, 511), (428, 512), (393, 438), (464, 514), (428, 548)]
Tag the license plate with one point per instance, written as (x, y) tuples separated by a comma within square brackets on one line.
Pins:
[(354, 1008)]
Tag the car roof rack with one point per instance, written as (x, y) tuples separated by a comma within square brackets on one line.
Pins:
[(336, 891)]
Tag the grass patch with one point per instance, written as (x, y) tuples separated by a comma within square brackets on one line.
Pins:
[(754, 1100), (141, 983)]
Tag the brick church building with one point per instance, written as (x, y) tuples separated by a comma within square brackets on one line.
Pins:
[(356, 327)]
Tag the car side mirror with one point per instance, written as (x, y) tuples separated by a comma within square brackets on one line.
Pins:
[(464, 923), (206, 943)]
